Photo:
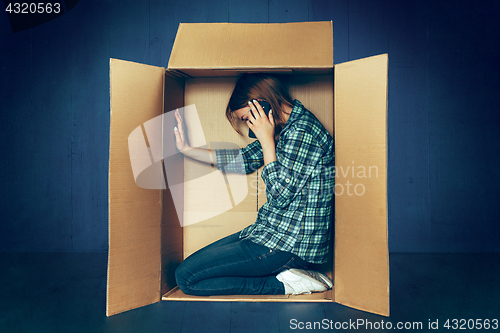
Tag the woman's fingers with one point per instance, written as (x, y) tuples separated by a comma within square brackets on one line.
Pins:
[(259, 108), (251, 116), (253, 111), (180, 127), (178, 118), (255, 105), (256, 111), (180, 139)]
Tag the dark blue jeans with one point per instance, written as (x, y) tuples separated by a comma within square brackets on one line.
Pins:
[(234, 266)]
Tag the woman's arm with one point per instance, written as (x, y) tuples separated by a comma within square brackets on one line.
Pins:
[(199, 154)]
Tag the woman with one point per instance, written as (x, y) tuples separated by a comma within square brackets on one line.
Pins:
[(292, 229)]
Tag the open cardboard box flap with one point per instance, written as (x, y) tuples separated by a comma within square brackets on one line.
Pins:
[(146, 240), (212, 49)]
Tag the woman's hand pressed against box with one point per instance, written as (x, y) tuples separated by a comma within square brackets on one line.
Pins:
[(199, 154)]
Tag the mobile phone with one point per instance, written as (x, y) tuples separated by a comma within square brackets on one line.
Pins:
[(266, 107)]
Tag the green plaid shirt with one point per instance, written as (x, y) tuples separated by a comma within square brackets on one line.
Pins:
[(299, 187)]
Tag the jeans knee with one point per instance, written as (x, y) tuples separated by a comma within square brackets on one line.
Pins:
[(182, 278)]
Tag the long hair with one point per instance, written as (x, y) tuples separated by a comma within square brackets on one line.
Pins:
[(260, 87)]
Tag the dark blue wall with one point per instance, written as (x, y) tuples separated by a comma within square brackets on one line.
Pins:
[(443, 111)]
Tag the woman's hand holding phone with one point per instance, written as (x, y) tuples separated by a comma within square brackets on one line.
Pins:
[(260, 124), (263, 127)]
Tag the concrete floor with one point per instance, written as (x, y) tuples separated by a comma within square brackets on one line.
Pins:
[(66, 292)]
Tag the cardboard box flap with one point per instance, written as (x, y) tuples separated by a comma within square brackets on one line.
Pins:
[(134, 213), (361, 243), (216, 46)]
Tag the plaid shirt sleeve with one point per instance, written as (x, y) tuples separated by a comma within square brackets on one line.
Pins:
[(286, 177), (251, 159)]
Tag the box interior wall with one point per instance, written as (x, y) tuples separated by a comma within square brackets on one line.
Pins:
[(210, 96)]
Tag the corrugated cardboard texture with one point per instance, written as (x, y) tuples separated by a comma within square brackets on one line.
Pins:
[(253, 46), (210, 95), (134, 213), (171, 230), (177, 295), (361, 249), (315, 92)]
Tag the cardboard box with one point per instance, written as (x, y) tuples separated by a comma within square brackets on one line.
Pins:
[(146, 239)]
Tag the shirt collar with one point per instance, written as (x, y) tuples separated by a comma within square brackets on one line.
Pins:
[(297, 110)]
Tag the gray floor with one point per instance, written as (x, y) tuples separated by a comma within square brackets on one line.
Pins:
[(66, 292)]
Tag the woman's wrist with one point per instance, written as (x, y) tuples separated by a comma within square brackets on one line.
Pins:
[(185, 149), (267, 141), (201, 154), (269, 152)]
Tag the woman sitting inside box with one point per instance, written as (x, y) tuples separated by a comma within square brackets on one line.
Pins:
[(292, 230)]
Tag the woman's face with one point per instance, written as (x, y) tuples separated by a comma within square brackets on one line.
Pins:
[(243, 113)]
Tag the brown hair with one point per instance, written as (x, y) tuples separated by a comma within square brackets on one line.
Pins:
[(260, 87)]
